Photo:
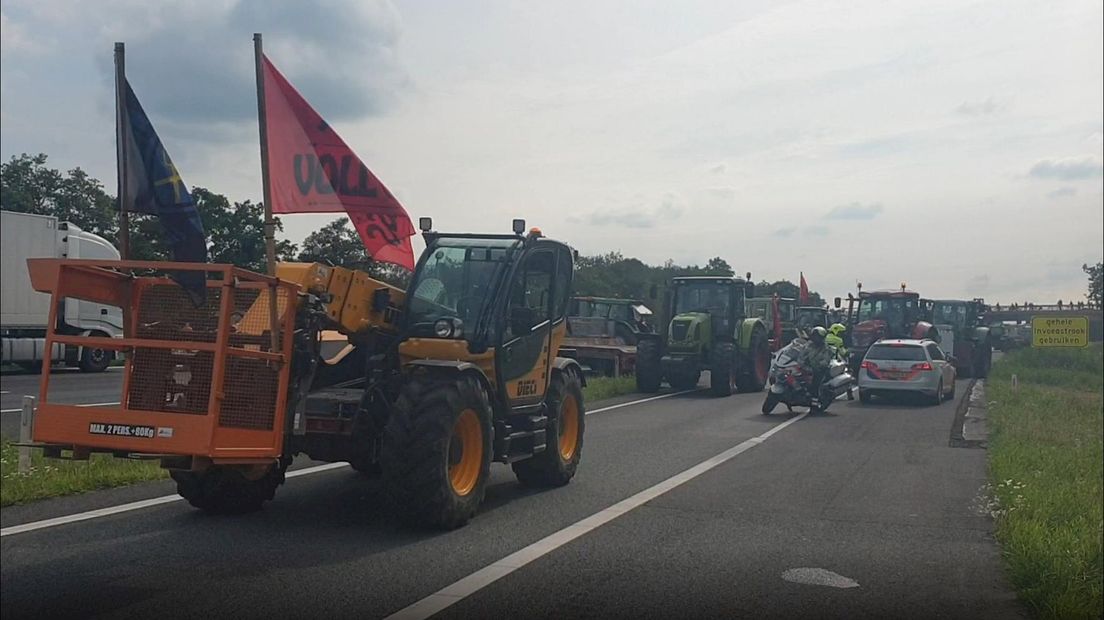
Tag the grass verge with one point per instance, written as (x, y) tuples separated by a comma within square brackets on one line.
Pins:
[(53, 478), (601, 388), (1046, 468)]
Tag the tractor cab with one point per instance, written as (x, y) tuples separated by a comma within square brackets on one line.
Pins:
[(629, 317), (970, 339), (809, 317), (889, 314), (498, 302), (704, 305)]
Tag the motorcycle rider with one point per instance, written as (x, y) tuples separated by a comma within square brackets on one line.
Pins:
[(834, 340), (816, 357)]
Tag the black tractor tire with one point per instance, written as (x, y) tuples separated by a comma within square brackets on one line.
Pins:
[(757, 362), (722, 369), (94, 360), (419, 441), (684, 380), (366, 467), (649, 367), (770, 402), (227, 489), (556, 465), (965, 371)]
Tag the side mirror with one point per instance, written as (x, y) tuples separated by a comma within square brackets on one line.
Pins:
[(837, 302)]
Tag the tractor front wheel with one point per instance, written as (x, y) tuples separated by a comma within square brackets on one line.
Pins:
[(229, 490), (649, 370), (722, 370), (436, 455), (556, 466), (757, 364)]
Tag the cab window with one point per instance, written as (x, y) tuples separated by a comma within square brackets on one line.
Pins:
[(531, 293)]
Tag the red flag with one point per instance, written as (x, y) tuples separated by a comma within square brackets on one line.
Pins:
[(803, 295), (312, 170)]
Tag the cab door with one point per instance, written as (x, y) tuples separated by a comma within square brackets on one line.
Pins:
[(524, 357)]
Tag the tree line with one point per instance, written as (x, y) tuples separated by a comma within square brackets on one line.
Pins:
[(235, 232)]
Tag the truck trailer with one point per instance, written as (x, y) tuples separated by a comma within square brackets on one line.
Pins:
[(26, 313)]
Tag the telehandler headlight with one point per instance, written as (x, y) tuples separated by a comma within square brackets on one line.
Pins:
[(443, 328)]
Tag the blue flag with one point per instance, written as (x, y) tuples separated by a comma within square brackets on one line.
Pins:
[(154, 187)]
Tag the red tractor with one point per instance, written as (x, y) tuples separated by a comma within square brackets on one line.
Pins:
[(971, 349), (887, 314)]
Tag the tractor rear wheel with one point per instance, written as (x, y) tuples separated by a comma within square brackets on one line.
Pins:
[(229, 490), (437, 450), (753, 376), (722, 369), (556, 466), (649, 369)]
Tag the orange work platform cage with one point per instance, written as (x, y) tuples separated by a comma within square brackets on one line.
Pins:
[(201, 380)]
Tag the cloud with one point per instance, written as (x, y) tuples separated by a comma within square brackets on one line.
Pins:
[(979, 108), (1063, 192), (720, 168), (978, 284), (14, 38), (808, 231), (723, 192), (198, 68), (855, 211), (669, 209), (1068, 168)]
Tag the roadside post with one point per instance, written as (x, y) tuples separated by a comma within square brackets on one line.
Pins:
[(26, 419)]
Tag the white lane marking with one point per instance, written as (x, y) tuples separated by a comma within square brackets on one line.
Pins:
[(642, 400), (452, 594), (4, 392), (78, 404), (818, 577), (146, 503), (103, 512)]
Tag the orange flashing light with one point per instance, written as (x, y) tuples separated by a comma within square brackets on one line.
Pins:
[(536, 232)]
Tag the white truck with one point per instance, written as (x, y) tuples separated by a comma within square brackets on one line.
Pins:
[(24, 313)]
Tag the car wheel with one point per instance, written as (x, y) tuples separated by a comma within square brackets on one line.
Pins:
[(864, 396), (938, 398)]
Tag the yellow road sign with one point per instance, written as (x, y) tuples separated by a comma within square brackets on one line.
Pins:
[(1065, 331)]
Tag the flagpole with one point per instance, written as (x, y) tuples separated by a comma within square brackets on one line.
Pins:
[(121, 151), (269, 223)]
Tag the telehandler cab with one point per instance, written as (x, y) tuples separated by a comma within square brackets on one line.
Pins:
[(432, 386)]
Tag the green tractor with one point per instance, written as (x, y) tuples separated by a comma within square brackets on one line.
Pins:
[(709, 330)]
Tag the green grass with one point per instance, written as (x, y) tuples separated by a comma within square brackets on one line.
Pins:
[(601, 388), (1046, 467), (53, 478)]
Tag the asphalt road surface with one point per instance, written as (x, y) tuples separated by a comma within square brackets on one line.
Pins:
[(862, 512)]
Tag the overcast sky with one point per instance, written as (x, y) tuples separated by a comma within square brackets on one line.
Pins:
[(956, 146)]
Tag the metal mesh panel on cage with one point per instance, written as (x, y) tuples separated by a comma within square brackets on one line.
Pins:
[(165, 312), (173, 380), (250, 393), (251, 318)]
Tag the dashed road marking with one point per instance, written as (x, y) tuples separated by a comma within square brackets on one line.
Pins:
[(465, 587)]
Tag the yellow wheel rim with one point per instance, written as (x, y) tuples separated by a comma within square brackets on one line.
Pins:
[(465, 452), (569, 427)]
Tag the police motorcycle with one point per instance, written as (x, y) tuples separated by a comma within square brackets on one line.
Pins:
[(789, 383)]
